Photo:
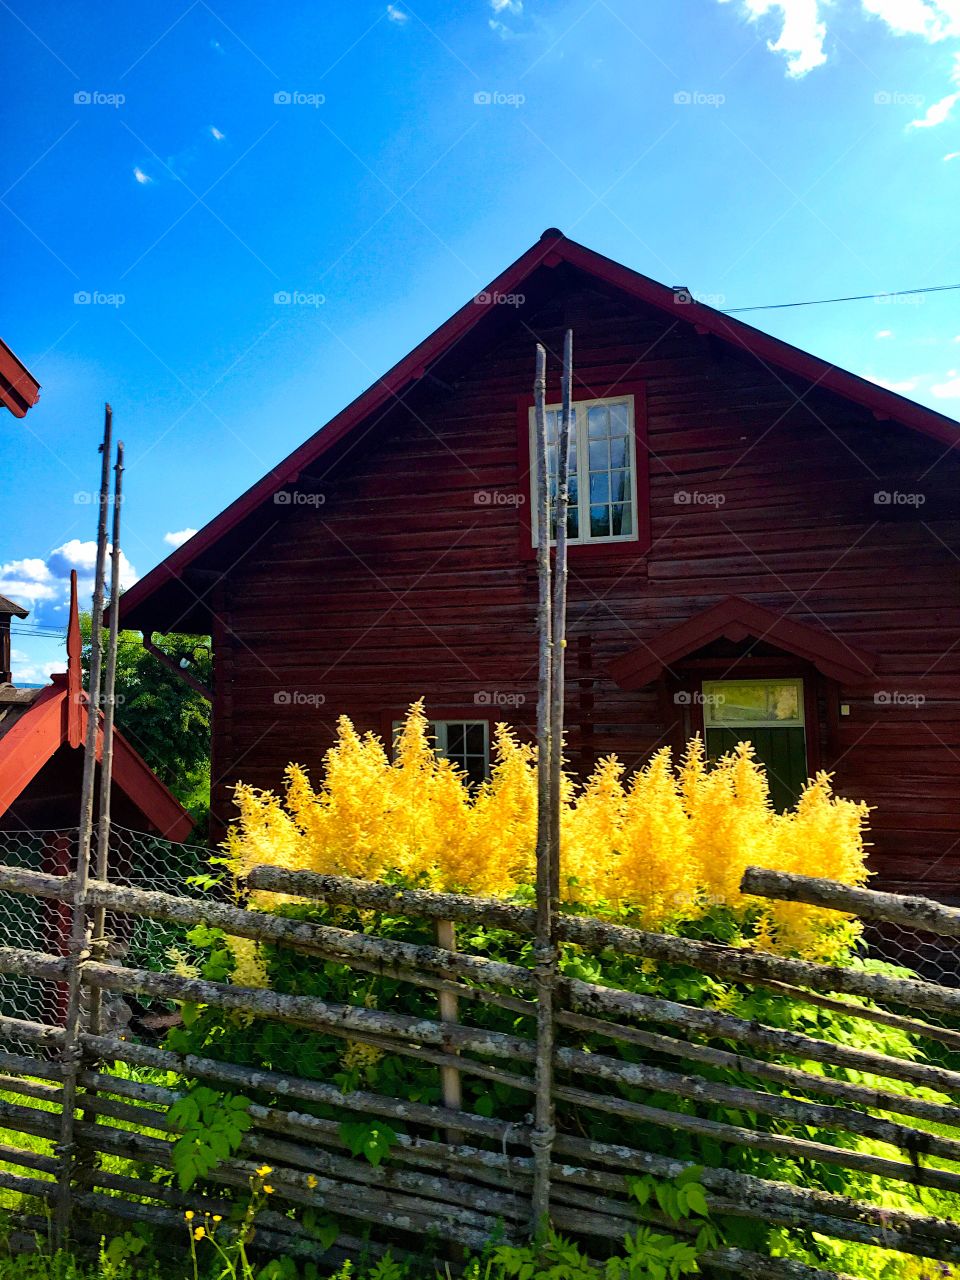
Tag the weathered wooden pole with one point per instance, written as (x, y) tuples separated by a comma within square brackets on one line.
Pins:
[(451, 1085), (78, 944), (559, 617), (542, 1136), (109, 709)]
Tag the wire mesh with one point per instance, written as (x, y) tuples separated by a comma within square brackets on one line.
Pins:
[(136, 859)]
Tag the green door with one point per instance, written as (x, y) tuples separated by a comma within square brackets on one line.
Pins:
[(768, 714)]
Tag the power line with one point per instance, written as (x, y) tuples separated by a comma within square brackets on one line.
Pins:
[(56, 633), (855, 297)]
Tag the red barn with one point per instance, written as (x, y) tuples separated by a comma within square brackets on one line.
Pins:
[(764, 546)]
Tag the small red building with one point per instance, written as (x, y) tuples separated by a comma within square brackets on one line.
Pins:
[(42, 733), (764, 546)]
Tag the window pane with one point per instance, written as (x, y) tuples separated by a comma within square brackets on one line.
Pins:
[(600, 522), (618, 453), (619, 420), (620, 486), (622, 519), (599, 455), (598, 422), (600, 487), (746, 702), (463, 743)]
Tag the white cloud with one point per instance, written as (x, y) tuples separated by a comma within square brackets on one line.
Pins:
[(27, 582), (395, 14), (949, 390), (937, 113), (901, 388), (951, 155), (141, 177), (932, 19), (216, 134), (178, 538), (802, 33), (803, 30), (885, 333), (505, 8), (43, 585), (26, 670)]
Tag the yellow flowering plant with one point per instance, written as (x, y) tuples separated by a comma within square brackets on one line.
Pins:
[(664, 848), (660, 848)]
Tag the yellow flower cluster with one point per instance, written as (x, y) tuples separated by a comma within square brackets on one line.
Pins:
[(360, 1057), (666, 844)]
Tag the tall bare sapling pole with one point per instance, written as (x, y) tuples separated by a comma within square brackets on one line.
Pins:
[(543, 1132), (71, 1052), (559, 617), (109, 712)]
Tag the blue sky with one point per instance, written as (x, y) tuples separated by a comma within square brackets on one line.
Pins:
[(181, 163)]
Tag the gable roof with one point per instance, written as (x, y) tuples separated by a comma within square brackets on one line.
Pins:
[(36, 723), (736, 619), (10, 609), (552, 249), (19, 389)]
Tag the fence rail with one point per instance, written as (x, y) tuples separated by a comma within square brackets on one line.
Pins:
[(461, 1176)]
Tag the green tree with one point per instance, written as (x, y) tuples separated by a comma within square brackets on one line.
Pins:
[(162, 717)]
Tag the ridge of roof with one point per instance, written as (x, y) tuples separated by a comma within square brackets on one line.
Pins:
[(552, 248)]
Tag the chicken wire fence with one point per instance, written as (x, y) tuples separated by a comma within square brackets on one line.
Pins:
[(148, 862), (136, 859)]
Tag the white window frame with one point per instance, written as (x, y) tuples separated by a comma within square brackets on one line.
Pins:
[(583, 473), (709, 686), (440, 729)]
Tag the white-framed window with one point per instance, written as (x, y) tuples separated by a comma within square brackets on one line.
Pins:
[(466, 743), (602, 470)]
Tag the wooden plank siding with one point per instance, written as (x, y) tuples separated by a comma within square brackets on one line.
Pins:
[(402, 582)]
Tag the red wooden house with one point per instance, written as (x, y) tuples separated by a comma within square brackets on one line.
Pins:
[(764, 546)]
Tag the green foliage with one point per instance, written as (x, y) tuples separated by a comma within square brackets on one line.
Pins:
[(647, 1254), (316, 1056), (117, 1254), (162, 717), (212, 1126), (372, 1139)]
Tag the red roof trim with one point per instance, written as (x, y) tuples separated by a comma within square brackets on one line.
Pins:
[(550, 250), (43, 728), (734, 618), (19, 389)]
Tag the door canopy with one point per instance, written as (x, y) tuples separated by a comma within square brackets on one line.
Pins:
[(736, 619)]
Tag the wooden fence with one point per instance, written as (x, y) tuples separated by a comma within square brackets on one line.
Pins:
[(463, 1177)]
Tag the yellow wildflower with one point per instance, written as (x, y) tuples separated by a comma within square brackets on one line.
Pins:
[(268, 1189), (189, 1215), (264, 1170), (311, 1181), (198, 1233)]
